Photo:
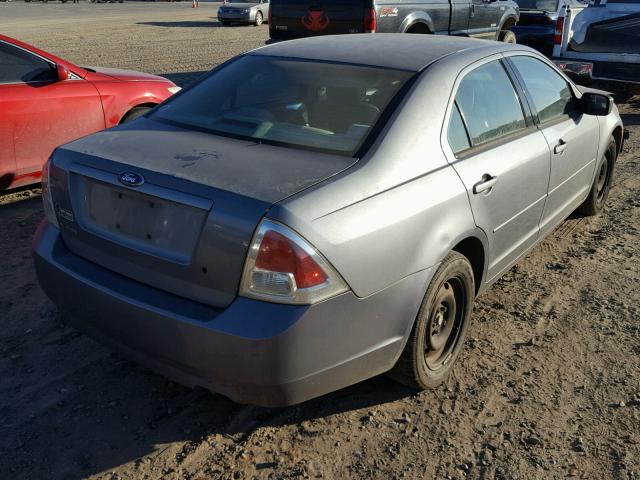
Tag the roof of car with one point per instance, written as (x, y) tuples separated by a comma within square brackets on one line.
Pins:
[(388, 50)]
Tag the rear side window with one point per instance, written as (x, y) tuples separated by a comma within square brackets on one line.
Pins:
[(551, 95), (489, 104), (306, 104), (457, 134), (19, 66)]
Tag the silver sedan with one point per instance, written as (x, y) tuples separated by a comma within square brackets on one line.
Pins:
[(241, 11), (330, 216)]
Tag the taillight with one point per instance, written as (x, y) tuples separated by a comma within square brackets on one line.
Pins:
[(557, 36), (282, 267), (369, 25)]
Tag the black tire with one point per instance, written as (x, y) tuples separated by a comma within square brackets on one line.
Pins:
[(225, 23), (134, 113), (507, 36), (258, 21), (601, 183), (440, 327)]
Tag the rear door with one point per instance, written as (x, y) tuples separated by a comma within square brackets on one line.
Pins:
[(502, 159), (460, 12), (572, 137), (317, 17), (42, 112)]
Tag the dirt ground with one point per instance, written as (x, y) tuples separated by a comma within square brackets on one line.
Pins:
[(548, 385)]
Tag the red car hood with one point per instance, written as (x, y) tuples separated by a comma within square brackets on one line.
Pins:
[(128, 75)]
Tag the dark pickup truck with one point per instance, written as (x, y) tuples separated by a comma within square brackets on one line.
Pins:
[(489, 19)]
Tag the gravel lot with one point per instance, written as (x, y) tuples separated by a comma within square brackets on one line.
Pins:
[(548, 385)]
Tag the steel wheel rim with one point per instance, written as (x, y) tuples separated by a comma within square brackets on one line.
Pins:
[(603, 179), (444, 323)]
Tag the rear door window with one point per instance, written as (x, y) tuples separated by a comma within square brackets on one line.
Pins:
[(457, 133), (550, 92), (489, 104), (20, 66)]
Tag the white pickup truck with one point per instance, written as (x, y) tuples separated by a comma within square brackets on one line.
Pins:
[(600, 42)]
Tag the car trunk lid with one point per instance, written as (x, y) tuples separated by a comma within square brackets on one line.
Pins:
[(184, 225)]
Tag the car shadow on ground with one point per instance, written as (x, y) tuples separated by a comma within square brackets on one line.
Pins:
[(108, 412), (71, 408)]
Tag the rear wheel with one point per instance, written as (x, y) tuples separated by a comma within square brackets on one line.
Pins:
[(507, 36), (258, 21), (601, 183), (440, 327), (135, 113)]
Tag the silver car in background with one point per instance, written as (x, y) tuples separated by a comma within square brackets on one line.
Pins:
[(239, 11), (331, 216)]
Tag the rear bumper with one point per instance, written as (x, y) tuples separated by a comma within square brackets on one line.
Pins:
[(252, 352), (589, 70)]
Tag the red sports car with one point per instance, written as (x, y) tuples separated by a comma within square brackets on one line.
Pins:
[(46, 101)]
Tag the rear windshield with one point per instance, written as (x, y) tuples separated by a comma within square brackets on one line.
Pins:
[(305, 104), (544, 5)]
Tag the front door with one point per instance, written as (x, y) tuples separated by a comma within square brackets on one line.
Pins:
[(502, 159), (7, 157), (42, 112), (572, 137)]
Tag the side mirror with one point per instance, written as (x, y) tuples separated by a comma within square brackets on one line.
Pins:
[(63, 73), (596, 104)]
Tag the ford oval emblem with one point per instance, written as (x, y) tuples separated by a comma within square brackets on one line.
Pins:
[(131, 179)]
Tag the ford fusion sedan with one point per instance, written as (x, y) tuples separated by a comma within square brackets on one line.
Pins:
[(241, 11), (330, 218), (46, 101)]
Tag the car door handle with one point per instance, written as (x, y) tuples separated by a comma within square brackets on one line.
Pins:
[(560, 147), (485, 184)]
